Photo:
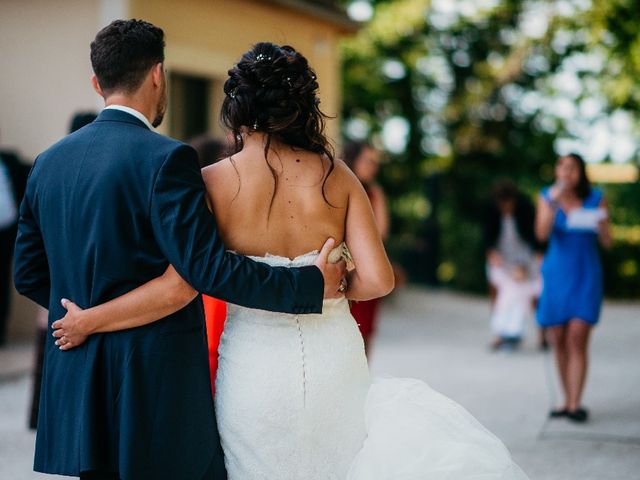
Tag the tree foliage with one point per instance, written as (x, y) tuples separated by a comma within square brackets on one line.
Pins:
[(476, 91)]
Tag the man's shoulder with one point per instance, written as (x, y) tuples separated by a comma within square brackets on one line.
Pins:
[(126, 138)]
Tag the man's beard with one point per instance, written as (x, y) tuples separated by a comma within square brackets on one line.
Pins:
[(161, 110), (158, 119)]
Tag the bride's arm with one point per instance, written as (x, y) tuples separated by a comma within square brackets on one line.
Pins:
[(373, 275), (148, 303)]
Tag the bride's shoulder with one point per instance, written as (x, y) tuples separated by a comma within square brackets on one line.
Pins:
[(221, 176), (343, 175), (345, 180)]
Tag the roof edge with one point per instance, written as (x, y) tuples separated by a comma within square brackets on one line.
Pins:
[(326, 13)]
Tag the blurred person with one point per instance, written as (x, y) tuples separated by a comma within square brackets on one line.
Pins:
[(517, 285), (293, 391), (105, 210), (572, 217), (13, 178), (79, 120), (509, 241), (211, 150), (364, 161)]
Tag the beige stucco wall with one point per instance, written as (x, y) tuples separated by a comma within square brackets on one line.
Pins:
[(206, 37), (44, 56)]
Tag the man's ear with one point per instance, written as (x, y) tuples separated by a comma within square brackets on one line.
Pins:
[(96, 86), (157, 75)]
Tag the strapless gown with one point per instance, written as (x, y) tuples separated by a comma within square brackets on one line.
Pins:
[(295, 402)]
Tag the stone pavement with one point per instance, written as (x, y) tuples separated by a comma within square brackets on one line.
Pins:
[(442, 338)]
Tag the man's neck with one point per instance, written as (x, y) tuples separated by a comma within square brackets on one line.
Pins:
[(143, 107)]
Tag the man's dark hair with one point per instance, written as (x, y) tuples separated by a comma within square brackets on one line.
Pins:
[(123, 52)]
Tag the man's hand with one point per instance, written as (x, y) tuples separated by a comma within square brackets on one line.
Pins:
[(333, 273), (70, 330)]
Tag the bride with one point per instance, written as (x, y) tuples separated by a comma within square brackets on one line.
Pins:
[(294, 399)]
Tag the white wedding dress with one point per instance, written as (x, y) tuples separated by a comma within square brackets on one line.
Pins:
[(295, 402)]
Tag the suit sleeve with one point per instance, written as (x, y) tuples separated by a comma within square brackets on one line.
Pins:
[(187, 234), (31, 269)]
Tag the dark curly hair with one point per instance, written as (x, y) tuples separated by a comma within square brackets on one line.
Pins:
[(583, 188), (123, 52), (272, 89)]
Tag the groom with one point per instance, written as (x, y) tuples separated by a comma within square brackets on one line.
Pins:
[(107, 209)]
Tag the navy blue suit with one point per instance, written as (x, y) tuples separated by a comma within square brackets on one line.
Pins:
[(107, 209)]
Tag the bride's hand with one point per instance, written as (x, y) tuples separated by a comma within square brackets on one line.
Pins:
[(333, 273), (70, 330)]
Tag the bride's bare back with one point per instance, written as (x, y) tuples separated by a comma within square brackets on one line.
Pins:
[(300, 218)]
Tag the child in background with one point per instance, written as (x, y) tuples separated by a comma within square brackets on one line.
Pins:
[(516, 289)]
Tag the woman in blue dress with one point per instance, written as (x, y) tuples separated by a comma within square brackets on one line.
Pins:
[(572, 217)]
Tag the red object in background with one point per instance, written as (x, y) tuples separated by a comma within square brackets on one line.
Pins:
[(366, 314), (215, 313)]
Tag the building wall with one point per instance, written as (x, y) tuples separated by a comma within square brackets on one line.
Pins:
[(206, 37), (46, 73)]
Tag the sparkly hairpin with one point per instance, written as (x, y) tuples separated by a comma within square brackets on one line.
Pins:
[(232, 93), (288, 81), (261, 56)]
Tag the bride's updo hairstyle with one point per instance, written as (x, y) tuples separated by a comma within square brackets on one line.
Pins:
[(272, 89)]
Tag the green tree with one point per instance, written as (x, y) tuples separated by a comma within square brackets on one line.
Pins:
[(484, 93)]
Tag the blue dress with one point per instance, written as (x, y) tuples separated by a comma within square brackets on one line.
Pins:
[(571, 271)]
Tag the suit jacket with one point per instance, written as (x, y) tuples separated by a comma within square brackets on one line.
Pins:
[(107, 209)]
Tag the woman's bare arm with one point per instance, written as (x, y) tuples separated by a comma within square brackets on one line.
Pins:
[(380, 211), (604, 227), (545, 216), (146, 304), (373, 275)]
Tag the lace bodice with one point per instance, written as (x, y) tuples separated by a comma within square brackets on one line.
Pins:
[(309, 258)]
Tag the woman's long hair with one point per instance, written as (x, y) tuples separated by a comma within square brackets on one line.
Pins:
[(272, 89), (583, 188)]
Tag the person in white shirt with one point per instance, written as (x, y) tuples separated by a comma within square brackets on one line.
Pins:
[(517, 287)]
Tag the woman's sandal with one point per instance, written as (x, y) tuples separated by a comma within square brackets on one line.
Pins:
[(558, 413), (579, 415)]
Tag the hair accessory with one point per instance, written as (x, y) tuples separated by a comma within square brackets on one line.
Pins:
[(232, 93), (255, 124), (288, 81), (261, 56)]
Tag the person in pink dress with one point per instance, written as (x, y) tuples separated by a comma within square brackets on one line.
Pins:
[(364, 160)]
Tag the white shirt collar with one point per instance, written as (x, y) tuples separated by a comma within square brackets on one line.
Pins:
[(131, 111)]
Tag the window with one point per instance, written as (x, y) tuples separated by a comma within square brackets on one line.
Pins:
[(190, 105)]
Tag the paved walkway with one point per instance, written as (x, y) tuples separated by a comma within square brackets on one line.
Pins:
[(442, 338)]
